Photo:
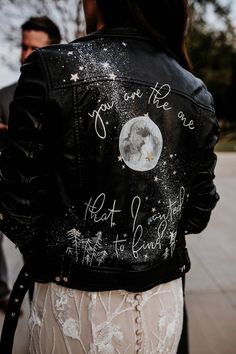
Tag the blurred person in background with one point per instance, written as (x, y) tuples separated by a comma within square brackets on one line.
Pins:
[(109, 165), (37, 32)]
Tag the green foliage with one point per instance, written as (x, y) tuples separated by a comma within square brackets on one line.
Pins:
[(213, 54)]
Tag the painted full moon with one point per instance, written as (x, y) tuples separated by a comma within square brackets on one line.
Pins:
[(140, 144)]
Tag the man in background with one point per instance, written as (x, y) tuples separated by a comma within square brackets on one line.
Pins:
[(36, 32)]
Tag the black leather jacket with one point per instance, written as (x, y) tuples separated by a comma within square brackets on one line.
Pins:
[(109, 162)]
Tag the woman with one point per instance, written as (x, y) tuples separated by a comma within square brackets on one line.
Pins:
[(109, 165)]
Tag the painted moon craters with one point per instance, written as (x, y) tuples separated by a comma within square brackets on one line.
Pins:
[(140, 144)]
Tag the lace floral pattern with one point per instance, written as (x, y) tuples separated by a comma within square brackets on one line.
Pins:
[(35, 317), (108, 322), (71, 328)]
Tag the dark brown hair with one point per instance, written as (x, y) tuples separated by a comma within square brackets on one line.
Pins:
[(165, 22), (44, 24)]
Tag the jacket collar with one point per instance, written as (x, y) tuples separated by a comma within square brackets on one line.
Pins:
[(127, 32)]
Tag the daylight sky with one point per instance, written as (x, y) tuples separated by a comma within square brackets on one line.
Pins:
[(233, 6)]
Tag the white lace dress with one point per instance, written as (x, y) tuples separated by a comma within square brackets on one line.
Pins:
[(67, 321)]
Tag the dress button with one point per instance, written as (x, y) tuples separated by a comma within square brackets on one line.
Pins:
[(138, 320), (139, 332), (57, 279), (138, 308), (139, 341), (137, 296)]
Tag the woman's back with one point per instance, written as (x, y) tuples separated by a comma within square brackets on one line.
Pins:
[(109, 164), (128, 130)]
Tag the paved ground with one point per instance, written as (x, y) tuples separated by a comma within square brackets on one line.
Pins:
[(211, 284)]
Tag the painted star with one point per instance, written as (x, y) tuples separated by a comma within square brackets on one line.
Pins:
[(146, 198), (146, 256), (124, 44), (159, 202), (171, 156), (70, 53), (81, 68), (125, 235), (106, 65), (112, 76), (174, 173), (164, 163), (120, 158), (74, 77), (156, 179), (107, 122), (149, 156), (153, 210), (105, 49), (123, 167)]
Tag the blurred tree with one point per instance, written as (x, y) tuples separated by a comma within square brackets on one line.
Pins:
[(213, 53)]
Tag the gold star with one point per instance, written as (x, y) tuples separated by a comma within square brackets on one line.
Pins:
[(120, 158), (113, 76), (153, 210), (74, 77), (155, 179), (149, 156)]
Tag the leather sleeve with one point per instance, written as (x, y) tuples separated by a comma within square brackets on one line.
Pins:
[(203, 195), (24, 161)]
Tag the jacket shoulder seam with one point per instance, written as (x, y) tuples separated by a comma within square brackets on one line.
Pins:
[(129, 80)]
